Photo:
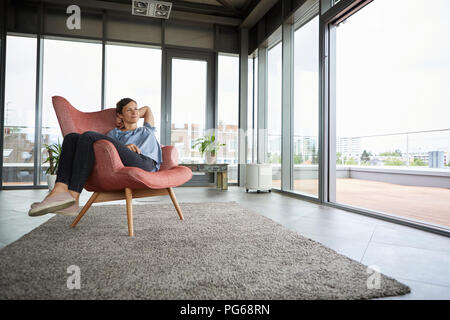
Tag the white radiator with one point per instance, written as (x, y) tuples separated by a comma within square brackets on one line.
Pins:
[(258, 177)]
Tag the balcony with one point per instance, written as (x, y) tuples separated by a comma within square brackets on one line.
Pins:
[(418, 193)]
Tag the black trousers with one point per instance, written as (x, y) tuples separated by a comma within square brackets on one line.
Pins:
[(77, 158)]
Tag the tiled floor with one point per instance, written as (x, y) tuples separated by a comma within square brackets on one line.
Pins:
[(414, 257)]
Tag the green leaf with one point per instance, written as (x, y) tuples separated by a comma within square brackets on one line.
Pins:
[(54, 151)]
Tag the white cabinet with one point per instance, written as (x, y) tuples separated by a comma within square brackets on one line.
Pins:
[(258, 177)]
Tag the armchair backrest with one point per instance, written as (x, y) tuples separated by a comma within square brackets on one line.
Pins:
[(72, 120)]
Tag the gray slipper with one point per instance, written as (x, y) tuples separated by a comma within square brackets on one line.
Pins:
[(71, 211), (51, 204)]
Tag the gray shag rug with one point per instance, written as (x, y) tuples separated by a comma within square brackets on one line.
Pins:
[(220, 251)]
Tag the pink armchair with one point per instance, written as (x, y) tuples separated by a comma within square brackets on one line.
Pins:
[(110, 179)]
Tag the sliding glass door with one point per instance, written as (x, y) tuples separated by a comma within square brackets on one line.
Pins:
[(189, 108)]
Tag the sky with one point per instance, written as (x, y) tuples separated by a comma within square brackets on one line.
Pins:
[(306, 79), (393, 68), (20, 84), (189, 86)]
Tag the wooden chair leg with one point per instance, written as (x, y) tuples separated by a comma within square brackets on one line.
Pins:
[(85, 208), (129, 200), (175, 202)]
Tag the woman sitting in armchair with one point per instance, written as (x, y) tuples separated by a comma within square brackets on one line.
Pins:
[(137, 147)]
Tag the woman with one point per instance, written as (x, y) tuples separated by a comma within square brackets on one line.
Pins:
[(137, 147)]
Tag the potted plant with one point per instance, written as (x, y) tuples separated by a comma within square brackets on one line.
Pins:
[(207, 145), (54, 151)]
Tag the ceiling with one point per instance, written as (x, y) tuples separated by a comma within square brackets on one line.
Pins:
[(226, 8), (235, 13), (236, 4)]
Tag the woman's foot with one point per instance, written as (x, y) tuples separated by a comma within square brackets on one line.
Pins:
[(71, 211), (52, 203)]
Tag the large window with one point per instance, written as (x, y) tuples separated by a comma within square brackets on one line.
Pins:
[(392, 110), (228, 113), (134, 72), (19, 125), (72, 70), (306, 108), (274, 71)]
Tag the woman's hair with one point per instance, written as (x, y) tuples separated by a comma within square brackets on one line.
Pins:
[(122, 103)]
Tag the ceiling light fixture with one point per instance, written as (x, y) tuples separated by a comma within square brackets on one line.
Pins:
[(151, 8)]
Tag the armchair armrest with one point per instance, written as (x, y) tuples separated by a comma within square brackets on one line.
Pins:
[(106, 156), (107, 165), (170, 157)]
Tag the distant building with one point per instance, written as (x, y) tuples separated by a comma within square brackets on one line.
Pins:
[(350, 147), (443, 158), (306, 146), (436, 159)]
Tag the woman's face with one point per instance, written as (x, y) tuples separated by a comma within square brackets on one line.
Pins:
[(130, 113)]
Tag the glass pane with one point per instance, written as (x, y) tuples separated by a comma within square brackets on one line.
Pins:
[(274, 113), (255, 114), (306, 109), (325, 5), (134, 72), (20, 91), (188, 107), (392, 110), (252, 110), (228, 113), (72, 70)]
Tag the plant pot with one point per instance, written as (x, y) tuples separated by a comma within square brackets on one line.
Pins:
[(51, 179), (210, 159)]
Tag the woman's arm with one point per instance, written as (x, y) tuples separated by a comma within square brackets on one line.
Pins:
[(147, 114)]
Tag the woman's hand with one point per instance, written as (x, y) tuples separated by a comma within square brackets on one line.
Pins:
[(119, 123), (133, 147), (147, 114), (143, 111)]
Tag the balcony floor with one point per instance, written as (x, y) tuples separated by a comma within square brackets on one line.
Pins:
[(427, 204)]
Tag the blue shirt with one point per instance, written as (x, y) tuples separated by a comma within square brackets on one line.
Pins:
[(145, 139)]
